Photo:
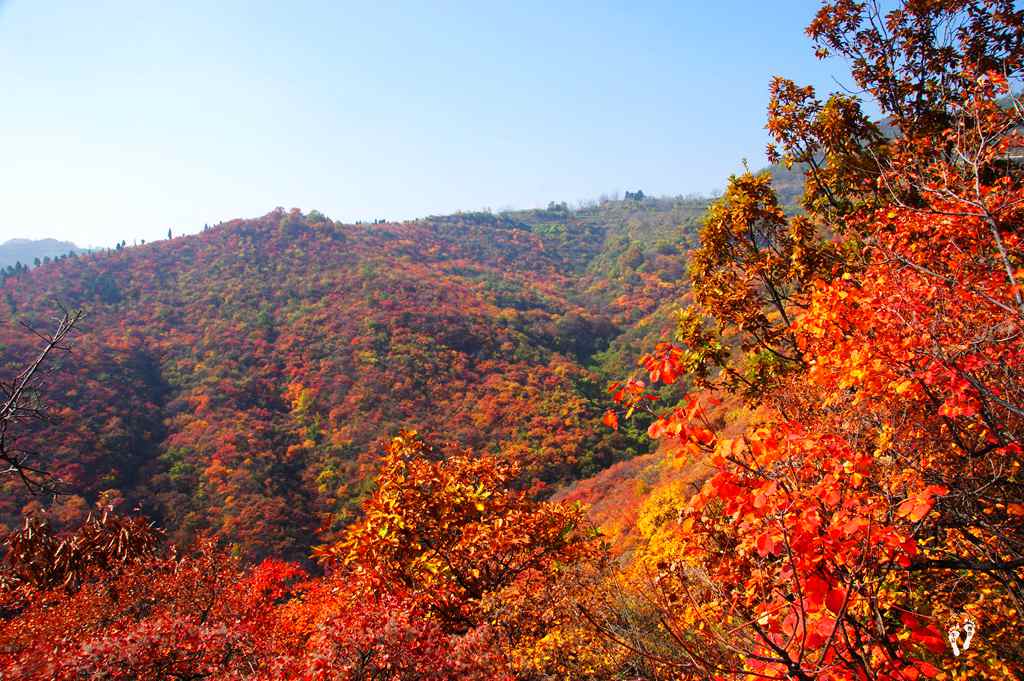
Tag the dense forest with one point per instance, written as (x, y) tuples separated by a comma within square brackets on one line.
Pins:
[(776, 434), (241, 379)]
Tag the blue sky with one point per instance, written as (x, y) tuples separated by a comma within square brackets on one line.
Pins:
[(123, 118)]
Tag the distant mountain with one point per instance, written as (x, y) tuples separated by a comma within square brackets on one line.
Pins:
[(26, 251), (789, 184), (238, 380)]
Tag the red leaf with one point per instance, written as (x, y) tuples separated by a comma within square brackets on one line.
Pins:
[(815, 589), (835, 599)]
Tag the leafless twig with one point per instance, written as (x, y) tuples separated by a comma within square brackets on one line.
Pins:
[(20, 402)]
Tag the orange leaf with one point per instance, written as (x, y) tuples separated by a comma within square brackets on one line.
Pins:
[(765, 544)]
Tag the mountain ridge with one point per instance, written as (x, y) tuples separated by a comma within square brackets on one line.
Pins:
[(25, 251), (237, 380)]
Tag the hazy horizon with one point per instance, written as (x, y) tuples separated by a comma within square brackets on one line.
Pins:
[(126, 121)]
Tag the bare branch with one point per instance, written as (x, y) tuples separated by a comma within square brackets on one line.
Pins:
[(19, 405)]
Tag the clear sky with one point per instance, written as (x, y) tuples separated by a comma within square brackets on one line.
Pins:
[(120, 119)]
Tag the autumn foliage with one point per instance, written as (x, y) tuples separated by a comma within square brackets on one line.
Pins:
[(450, 575), (836, 492), (874, 505), (237, 381)]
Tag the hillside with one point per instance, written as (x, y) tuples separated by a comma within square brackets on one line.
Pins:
[(27, 251), (238, 380), (776, 434)]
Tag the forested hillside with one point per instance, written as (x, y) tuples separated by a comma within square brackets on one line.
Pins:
[(238, 380), (421, 450)]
